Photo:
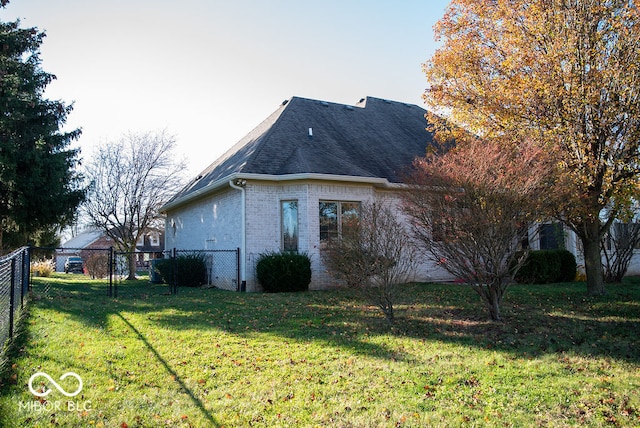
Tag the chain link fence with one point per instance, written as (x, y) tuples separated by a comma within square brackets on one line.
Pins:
[(14, 284), (222, 266)]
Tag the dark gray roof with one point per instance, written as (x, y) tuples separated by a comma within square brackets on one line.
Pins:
[(375, 138)]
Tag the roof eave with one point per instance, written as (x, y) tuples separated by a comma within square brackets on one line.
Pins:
[(224, 182)]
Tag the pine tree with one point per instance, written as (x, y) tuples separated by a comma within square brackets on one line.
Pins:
[(39, 186)]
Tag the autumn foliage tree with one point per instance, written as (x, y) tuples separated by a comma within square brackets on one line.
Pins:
[(562, 73), (471, 208)]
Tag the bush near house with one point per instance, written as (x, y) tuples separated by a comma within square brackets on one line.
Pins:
[(547, 266), (190, 269), (283, 272)]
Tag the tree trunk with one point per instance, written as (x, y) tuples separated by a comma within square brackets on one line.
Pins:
[(132, 266), (494, 309), (491, 298), (592, 258)]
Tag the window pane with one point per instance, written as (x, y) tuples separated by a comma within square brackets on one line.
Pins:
[(551, 236), (290, 225), (350, 213), (328, 220)]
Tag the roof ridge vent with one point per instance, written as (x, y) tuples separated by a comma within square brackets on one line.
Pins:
[(348, 107), (324, 103)]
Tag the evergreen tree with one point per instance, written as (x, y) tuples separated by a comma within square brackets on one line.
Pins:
[(39, 186)]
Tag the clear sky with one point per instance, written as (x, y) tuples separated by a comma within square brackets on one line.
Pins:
[(209, 71)]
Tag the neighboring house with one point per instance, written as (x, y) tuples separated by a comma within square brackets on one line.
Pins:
[(149, 246), (289, 184), (75, 245)]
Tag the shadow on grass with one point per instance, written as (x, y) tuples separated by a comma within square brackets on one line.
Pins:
[(174, 375), (538, 320)]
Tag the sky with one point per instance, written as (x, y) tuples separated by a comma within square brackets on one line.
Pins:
[(209, 71)]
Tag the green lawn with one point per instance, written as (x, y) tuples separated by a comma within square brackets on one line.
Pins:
[(206, 357)]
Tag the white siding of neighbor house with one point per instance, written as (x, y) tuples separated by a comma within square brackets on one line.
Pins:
[(214, 222)]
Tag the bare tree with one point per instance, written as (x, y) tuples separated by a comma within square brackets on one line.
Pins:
[(471, 209), (373, 255), (130, 179), (619, 244)]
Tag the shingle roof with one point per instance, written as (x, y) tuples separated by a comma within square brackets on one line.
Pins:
[(375, 138)]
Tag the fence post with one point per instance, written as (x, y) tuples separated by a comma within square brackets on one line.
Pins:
[(110, 289), (115, 283), (174, 271), (26, 271), (12, 297)]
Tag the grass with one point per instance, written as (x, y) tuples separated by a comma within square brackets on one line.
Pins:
[(206, 357)]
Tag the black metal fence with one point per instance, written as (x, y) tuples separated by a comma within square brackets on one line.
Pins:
[(222, 266), (14, 284)]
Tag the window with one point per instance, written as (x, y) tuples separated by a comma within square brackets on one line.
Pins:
[(290, 225), (154, 239), (551, 236), (336, 217)]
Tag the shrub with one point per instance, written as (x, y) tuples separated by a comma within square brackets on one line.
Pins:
[(283, 272), (553, 267), (533, 269), (97, 264), (547, 266), (190, 269), (44, 268), (568, 266)]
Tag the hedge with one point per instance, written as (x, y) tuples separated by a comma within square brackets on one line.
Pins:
[(547, 266), (283, 272), (191, 269)]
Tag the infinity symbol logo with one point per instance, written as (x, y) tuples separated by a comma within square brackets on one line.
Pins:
[(58, 387)]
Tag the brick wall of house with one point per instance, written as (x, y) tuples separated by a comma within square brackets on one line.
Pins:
[(214, 223)]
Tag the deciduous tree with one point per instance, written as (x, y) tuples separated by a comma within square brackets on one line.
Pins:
[(563, 73), (373, 255), (40, 188), (618, 246), (130, 180), (471, 208)]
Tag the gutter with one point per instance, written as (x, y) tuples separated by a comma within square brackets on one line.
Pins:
[(232, 178), (239, 184)]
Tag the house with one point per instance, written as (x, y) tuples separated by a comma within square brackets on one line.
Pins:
[(75, 245), (94, 241), (290, 183)]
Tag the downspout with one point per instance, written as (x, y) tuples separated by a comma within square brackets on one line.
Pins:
[(239, 184)]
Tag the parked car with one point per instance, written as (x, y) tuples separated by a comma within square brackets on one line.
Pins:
[(74, 264)]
